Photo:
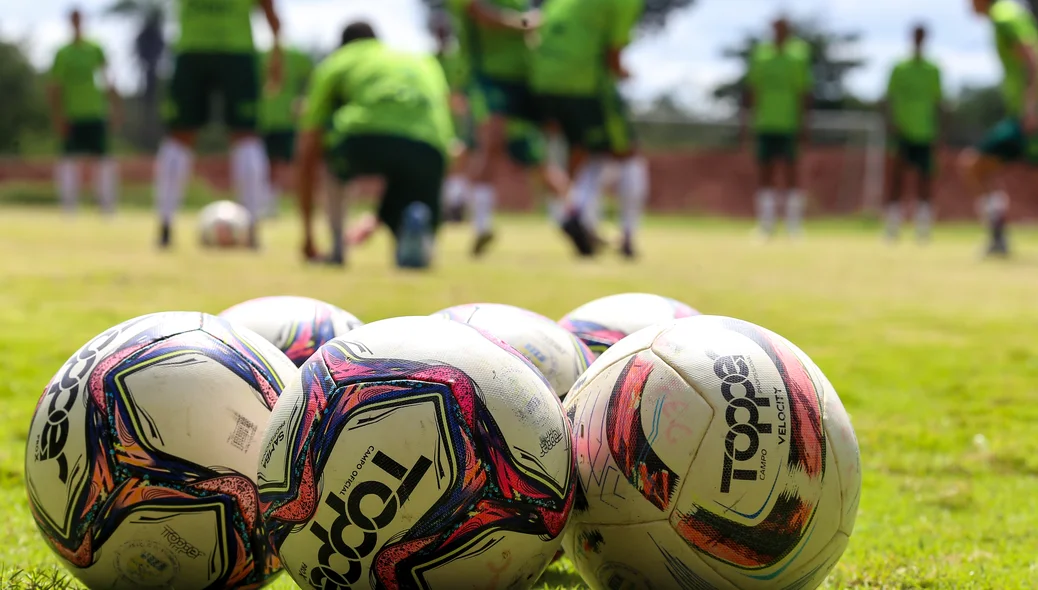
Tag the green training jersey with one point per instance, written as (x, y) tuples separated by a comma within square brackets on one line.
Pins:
[(498, 53), (277, 111), (75, 71), (216, 26), (1014, 26), (569, 59), (368, 88), (780, 79), (914, 98)]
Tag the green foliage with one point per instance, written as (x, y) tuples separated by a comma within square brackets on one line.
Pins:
[(932, 352), (830, 64), (23, 108)]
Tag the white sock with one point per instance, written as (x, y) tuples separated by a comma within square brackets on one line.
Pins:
[(795, 204), (250, 174), (766, 210), (994, 204), (455, 190), (483, 197), (923, 220), (633, 189), (586, 193), (67, 178), (172, 171), (893, 225), (108, 184)]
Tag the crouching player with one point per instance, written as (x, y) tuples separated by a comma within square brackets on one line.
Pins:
[(389, 117)]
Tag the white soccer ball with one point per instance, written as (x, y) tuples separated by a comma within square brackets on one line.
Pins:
[(142, 453), (559, 355), (417, 453), (711, 453), (298, 326), (224, 224), (604, 322)]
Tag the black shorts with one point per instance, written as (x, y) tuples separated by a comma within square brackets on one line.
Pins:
[(917, 155), (280, 145), (412, 171), (86, 138), (598, 124), (507, 98), (777, 146), (200, 77)]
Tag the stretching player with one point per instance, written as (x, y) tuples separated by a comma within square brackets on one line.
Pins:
[(1015, 138), (574, 74), (913, 110), (389, 116), (80, 110), (778, 96), (497, 33), (465, 107), (279, 109), (216, 55)]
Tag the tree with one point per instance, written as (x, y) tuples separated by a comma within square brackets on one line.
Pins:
[(149, 47), (654, 16), (22, 106), (829, 64)]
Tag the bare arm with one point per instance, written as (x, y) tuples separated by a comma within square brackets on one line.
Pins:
[(504, 18), (745, 111), (57, 111), (310, 153), (275, 66), (615, 63)]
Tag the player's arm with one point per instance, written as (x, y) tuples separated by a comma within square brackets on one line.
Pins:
[(275, 65), (943, 111), (57, 110), (115, 101), (317, 114), (807, 101), (747, 101), (625, 17), (489, 15)]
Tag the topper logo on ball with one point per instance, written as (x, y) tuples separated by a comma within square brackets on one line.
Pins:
[(62, 395), (349, 514), (739, 392)]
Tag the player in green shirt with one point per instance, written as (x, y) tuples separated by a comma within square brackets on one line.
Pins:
[(575, 71), (1015, 138), (778, 95), (913, 109), (278, 110), (496, 35), (80, 110), (389, 116), (215, 55)]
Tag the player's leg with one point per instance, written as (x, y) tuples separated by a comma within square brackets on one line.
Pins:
[(410, 206), (489, 163), (980, 168), (923, 159), (457, 188), (893, 212), (633, 183), (250, 169), (767, 195), (186, 110), (580, 180), (106, 170), (67, 171), (280, 149), (796, 202)]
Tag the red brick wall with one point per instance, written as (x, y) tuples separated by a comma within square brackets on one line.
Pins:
[(720, 183)]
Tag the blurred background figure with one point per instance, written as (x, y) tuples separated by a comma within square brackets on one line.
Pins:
[(777, 99), (84, 102), (1016, 137), (376, 111), (576, 69), (216, 56), (914, 109), (278, 113), (451, 53)]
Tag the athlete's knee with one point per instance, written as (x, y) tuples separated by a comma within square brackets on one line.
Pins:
[(186, 139)]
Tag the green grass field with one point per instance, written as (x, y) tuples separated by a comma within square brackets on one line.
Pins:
[(934, 353)]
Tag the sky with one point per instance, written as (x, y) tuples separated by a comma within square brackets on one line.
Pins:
[(684, 59)]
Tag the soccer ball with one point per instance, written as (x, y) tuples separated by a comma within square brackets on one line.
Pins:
[(224, 224), (604, 322), (559, 355), (296, 325), (711, 453), (142, 453), (417, 453)]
